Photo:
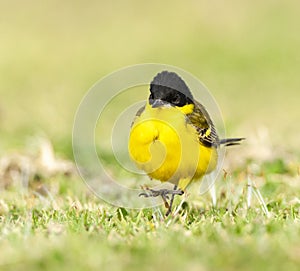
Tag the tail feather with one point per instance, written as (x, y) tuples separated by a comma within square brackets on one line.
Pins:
[(231, 141)]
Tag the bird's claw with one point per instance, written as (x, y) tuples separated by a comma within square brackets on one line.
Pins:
[(164, 193), (161, 192)]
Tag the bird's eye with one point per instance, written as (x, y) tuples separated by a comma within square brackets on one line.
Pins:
[(176, 99)]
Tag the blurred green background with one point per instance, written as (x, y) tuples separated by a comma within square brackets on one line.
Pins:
[(245, 52), (51, 52)]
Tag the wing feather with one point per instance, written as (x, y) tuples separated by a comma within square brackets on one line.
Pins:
[(138, 113), (201, 120)]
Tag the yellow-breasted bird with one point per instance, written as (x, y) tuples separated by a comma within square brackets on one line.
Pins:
[(173, 138)]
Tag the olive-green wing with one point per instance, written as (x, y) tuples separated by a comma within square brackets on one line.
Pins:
[(138, 113), (201, 120)]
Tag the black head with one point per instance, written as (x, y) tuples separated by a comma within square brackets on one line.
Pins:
[(169, 88)]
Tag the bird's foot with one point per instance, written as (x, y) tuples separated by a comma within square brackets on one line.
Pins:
[(164, 193), (148, 192)]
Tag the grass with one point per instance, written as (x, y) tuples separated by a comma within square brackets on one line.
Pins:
[(74, 229)]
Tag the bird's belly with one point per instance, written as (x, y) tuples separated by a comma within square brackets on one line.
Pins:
[(169, 150)]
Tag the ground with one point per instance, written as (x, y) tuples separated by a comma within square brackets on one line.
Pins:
[(73, 229)]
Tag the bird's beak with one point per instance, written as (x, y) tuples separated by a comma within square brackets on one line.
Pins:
[(158, 103)]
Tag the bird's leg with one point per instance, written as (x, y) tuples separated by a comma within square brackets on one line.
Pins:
[(164, 193), (171, 201)]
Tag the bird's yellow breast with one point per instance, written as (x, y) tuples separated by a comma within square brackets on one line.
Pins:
[(166, 146)]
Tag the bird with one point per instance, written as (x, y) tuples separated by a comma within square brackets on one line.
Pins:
[(173, 138)]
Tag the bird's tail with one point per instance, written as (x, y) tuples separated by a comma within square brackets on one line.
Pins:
[(231, 141)]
